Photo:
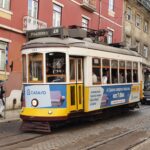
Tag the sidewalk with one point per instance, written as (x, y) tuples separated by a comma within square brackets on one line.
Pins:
[(10, 115)]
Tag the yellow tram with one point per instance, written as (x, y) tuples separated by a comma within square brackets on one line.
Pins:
[(65, 77)]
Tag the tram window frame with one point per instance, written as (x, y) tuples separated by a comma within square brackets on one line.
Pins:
[(122, 72), (135, 72), (106, 71), (114, 71), (129, 72), (73, 74), (37, 62), (55, 67), (24, 68), (96, 70)]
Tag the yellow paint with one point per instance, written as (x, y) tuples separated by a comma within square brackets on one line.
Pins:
[(5, 15), (86, 99), (68, 96), (135, 89), (77, 105), (141, 90), (71, 106), (80, 97), (43, 112)]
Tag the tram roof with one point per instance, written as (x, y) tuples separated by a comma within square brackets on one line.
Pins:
[(72, 42)]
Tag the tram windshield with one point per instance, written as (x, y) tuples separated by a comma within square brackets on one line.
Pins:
[(55, 67)]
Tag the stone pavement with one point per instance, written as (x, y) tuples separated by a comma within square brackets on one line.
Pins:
[(10, 115)]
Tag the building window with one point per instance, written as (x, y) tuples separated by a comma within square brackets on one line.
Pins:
[(129, 14), (128, 41), (33, 8), (138, 45), (5, 4), (110, 37), (145, 51), (57, 13), (3, 57), (111, 5), (85, 22), (138, 21), (145, 26)]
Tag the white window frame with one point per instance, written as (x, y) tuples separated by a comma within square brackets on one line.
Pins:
[(128, 41), (110, 36), (3, 57), (146, 26), (85, 22), (138, 44), (34, 8), (4, 3), (111, 5), (145, 51), (129, 14), (138, 21), (57, 15)]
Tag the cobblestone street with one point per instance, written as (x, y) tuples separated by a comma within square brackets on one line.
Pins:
[(125, 131)]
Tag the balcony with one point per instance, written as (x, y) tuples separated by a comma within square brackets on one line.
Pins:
[(30, 23), (89, 5)]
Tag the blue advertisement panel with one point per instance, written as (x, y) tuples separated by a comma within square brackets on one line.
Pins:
[(48, 96), (112, 95)]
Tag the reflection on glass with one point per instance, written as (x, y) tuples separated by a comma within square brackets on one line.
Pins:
[(35, 67), (55, 67), (24, 67), (72, 69)]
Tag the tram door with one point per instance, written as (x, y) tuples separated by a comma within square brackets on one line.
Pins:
[(76, 83)]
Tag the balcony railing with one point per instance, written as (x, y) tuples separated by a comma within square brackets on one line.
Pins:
[(90, 5), (30, 23)]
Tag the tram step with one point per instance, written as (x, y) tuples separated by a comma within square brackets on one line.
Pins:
[(35, 126)]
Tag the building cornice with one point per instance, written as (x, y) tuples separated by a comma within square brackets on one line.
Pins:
[(11, 29)]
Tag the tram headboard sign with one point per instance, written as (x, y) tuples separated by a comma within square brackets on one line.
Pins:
[(49, 32)]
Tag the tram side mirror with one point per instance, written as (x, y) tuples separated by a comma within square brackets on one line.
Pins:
[(11, 66)]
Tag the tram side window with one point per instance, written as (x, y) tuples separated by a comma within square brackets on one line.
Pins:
[(96, 71), (24, 68), (36, 67), (135, 72), (114, 71), (55, 67), (129, 72), (122, 78), (106, 71)]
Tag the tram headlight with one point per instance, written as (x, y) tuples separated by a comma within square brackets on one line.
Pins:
[(34, 102)]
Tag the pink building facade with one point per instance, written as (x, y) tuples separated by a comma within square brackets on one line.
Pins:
[(17, 17)]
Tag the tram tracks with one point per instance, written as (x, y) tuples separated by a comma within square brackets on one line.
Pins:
[(13, 141), (137, 141), (20, 139), (100, 145)]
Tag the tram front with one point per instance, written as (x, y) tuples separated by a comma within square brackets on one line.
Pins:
[(44, 85)]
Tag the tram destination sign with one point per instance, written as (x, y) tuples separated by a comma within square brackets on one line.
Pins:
[(49, 32), (145, 3)]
